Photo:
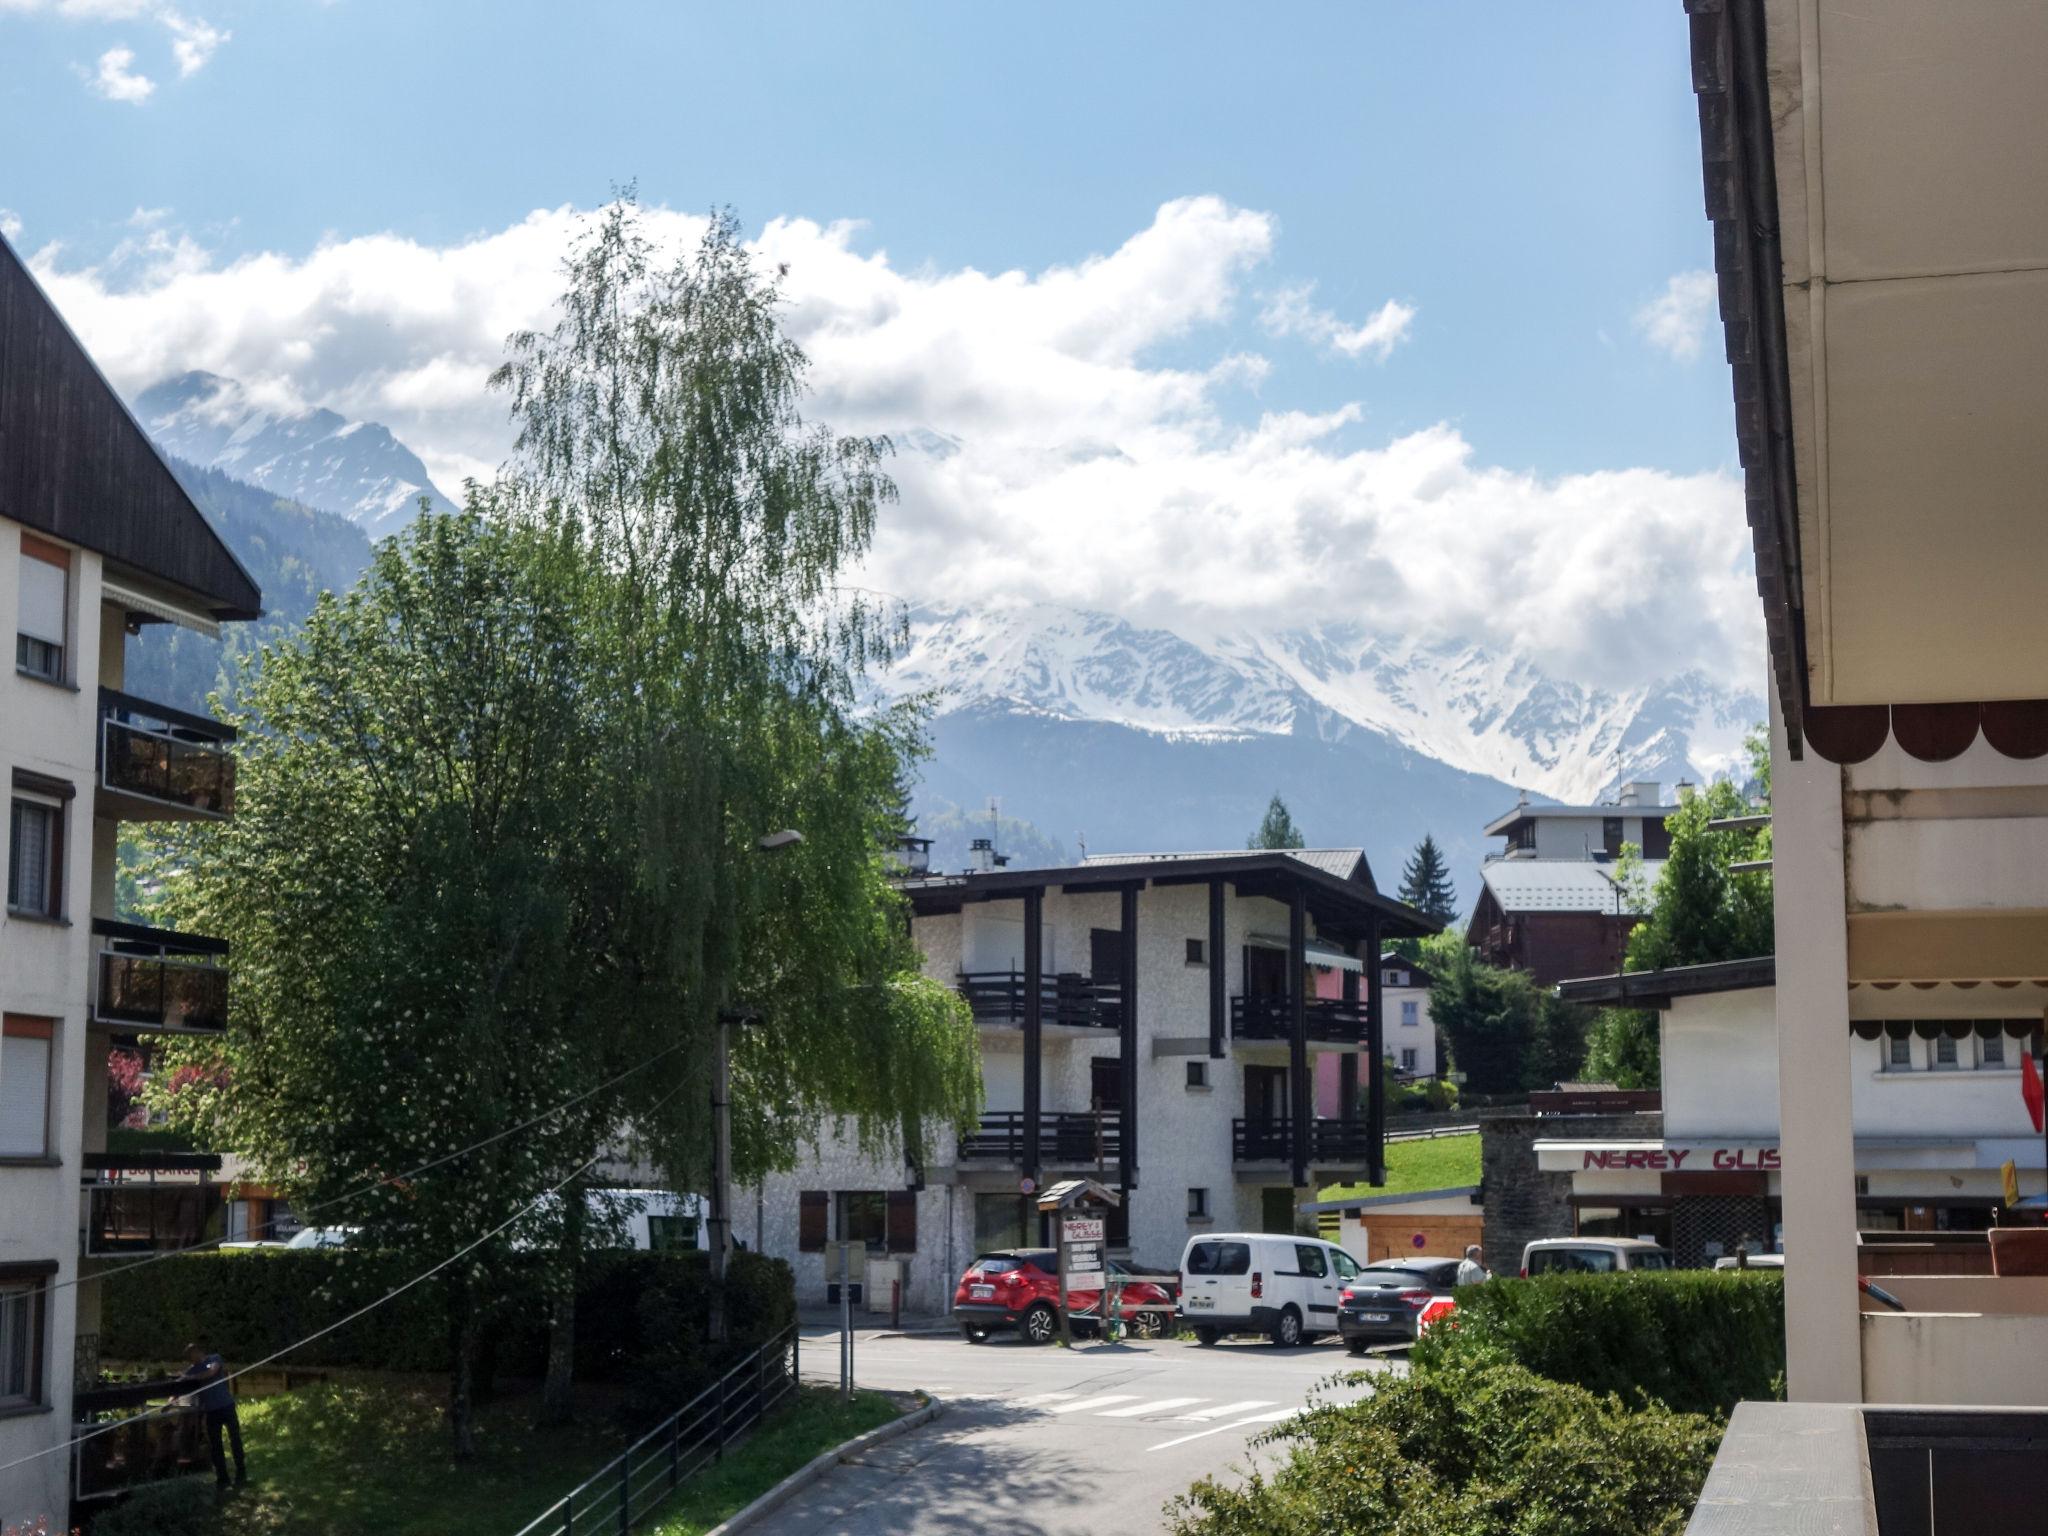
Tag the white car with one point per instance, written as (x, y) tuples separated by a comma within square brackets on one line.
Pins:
[(1592, 1256), (1755, 1261), (323, 1237), (1257, 1282)]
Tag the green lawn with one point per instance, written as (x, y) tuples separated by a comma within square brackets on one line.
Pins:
[(1441, 1162), (352, 1459)]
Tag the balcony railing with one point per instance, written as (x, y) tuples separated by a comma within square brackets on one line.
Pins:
[(1272, 1141), (1271, 1018), (174, 760), (997, 997), (147, 1202), (1092, 1138), (135, 1436), (159, 982)]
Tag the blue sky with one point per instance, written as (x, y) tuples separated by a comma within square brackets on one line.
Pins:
[(1525, 179)]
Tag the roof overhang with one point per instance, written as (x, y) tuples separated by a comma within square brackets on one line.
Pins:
[(1872, 170), (1656, 989)]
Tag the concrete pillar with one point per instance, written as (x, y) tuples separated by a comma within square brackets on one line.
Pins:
[(1823, 1359)]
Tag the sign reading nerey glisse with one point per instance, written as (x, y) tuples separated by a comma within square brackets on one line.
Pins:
[(1678, 1159)]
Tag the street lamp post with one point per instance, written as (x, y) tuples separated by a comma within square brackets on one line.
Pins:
[(720, 1222)]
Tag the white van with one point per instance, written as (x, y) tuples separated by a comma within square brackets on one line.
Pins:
[(1262, 1282), (1592, 1256)]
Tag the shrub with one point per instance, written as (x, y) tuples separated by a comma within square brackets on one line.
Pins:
[(1698, 1341), (1469, 1447), (187, 1507), (1421, 1094), (640, 1317)]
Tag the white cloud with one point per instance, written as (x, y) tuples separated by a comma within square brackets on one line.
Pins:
[(1289, 312), (1046, 452), (117, 80), (193, 42), (1678, 319), (10, 221)]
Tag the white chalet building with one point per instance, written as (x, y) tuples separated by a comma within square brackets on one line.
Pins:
[(1152, 1021)]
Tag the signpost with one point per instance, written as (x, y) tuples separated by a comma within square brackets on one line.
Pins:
[(1081, 1236)]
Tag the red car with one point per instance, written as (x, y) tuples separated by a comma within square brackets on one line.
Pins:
[(1019, 1288)]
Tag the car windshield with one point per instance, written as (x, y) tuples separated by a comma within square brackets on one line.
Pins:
[(1571, 1261), (999, 1263), (1396, 1278), (1650, 1258), (1220, 1258)]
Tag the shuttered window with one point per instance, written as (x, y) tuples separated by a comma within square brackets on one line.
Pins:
[(25, 1045), (902, 1221), (811, 1206), (45, 604), (35, 853)]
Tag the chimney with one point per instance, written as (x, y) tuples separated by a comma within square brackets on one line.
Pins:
[(1641, 792), (981, 855)]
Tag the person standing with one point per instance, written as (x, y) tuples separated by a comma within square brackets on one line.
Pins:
[(1473, 1269), (216, 1399)]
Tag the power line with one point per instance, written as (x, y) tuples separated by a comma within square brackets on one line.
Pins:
[(82, 1278)]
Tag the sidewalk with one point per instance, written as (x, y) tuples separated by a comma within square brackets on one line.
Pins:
[(877, 1324)]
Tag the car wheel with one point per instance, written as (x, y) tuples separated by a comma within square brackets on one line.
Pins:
[(1287, 1332), (1038, 1324), (1147, 1325), (1356, 1346), (1206, 1335)]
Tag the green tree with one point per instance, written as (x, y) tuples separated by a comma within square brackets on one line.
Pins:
[(1506, 1034), (1702, 910), (1277, 830), (1426, 882)]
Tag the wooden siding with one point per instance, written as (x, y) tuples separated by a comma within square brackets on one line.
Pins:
[(74, 464)]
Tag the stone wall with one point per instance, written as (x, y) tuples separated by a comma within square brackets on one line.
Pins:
[(1523, 1203)]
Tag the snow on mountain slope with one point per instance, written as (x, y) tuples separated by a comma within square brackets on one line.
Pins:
[(1475, 710), (316, 457)]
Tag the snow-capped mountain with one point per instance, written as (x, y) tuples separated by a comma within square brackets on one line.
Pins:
[(1487, 714), (316, 457)]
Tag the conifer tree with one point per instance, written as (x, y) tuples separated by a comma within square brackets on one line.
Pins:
[(1277, 830), (1426, 882)]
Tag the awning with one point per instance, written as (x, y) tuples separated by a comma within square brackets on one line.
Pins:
[(1317, 951), (141, 602)]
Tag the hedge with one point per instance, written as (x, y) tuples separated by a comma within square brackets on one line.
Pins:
[(1469, 1447), (1698, 1341), (640, 1317)]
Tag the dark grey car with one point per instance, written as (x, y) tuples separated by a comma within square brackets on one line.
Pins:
[(1383, 1305)]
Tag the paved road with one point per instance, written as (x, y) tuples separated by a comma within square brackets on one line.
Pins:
[(1092, 1439)]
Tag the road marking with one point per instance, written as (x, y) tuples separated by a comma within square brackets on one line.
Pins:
[(1160, 1406), (1093, 1402), (1034, 1399), (1257, 1418), (1228, 1408)]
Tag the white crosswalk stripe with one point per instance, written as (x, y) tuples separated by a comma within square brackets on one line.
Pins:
[(1146, 1409), (1226, 1410), (1087, 1403), (1217, 1429)]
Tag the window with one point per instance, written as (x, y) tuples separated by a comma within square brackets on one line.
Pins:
[(1197, 955), (1395, 979), (1944, 1052), (25, 1052), (22, 1299), (1198, 1074), (1656, 838), (1204, 1260), (1411, 1011), (35, 856), (1408, 1058), (864, 1217), (1899, 1055), (1571, 1261), (1610, 835), (1345, 1265), (1991, 1050), (45, 606), (1309, 1260), (669, 1234)]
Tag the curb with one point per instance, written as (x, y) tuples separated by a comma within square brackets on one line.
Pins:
[(818, 1466)]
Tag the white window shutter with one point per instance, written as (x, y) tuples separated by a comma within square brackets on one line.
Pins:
[(43, 601), (24, 1096)]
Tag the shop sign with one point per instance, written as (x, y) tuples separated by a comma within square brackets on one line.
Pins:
[(1680, 1159)]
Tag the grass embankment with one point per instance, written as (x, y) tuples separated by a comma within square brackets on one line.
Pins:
[(1439, 1162), (347, 1459)]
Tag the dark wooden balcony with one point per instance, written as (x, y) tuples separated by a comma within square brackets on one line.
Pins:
[(162, 764), (997, 997), (148, 1202), (1088, 1138), (1330, 1019), (136, 1437), (1347, 1142), (155, 981)]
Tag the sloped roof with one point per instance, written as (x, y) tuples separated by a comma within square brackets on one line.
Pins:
[(1533, 812), (1561, 885), (1344, 863), (76, 465)]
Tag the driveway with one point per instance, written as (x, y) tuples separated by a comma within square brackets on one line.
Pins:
[(1092, 1439)]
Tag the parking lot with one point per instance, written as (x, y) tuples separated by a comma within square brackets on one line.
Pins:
[(1044, 1439)]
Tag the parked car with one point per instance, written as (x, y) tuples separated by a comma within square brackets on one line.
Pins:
[(323, 1237), (1384, 1304), (1756, 1261), (1592, 1256), (1019, 1288), (1259, 1282)]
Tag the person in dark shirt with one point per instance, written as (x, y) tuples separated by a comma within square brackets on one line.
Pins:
[(216, 1399)]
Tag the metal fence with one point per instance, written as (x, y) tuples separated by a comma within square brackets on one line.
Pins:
[(692, 1438)]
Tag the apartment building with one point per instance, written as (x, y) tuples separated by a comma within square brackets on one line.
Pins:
[(96, 540), (1549, 900), (1152, 1021), (1410, 1034)]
